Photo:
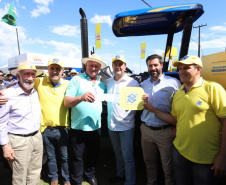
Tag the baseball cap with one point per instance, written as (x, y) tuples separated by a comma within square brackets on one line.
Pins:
[(188, 60), (56, 61), (120, 58)]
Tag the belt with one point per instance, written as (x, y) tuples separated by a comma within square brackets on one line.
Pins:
[(25, 135), (57, 127), (158, 128)]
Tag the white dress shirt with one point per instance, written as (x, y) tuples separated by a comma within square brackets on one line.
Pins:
[(119, 119), (21, 114)]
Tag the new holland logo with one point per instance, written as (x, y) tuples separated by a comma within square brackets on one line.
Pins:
[(219, 68)]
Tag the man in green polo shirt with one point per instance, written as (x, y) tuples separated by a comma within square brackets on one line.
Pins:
[(85, 119)]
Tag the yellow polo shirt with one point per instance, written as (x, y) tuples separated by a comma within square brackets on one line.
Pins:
[(198, 126), (54, 113)]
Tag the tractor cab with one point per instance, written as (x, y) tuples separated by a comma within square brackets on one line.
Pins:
[(160, 20)]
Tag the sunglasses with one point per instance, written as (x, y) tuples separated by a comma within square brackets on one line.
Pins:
[(1, 75), (73, 73)]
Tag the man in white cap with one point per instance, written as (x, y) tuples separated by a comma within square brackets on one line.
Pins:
[(85, 119), (121, 124), (20, 118), (55, 119), (199, 108)]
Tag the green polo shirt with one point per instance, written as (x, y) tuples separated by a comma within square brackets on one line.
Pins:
[(85, 116)]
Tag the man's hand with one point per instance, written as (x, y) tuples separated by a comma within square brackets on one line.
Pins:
[(145, 97), (8, 152), (147, 105), (3, 100), (88, 96), (219, 166)]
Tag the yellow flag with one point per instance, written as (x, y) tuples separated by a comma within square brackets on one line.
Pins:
[(173, 52), (143, 50), (98, 36)]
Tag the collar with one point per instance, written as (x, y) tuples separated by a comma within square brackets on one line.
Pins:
[(199, 83), (124, 78), (159, 80), (20, 91), (86, 76), (61, 81)]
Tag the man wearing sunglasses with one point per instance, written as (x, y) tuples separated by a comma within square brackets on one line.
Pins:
[(3, 83)]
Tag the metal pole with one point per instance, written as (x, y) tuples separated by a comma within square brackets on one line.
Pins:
[(199, 38), (18, 41), (146, 3)]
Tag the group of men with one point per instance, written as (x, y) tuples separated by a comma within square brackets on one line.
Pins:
[(4, 82), (198, 109)]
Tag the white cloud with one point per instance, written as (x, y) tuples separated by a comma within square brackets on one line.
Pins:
[(18, 4), (138, 68), (8, 42), (121, 51), (66, 30), (159, 51), (108, 42), (65, 49), (42, 8), (107, 58), (218, 28), (101, 19), (210, 44)]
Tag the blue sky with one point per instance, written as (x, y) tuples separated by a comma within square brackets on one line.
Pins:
[(53, 27)]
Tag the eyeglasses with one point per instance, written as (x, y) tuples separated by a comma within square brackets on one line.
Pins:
[(73, 73), (1, 75)]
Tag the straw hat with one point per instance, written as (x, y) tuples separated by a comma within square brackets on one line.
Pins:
[(73, 71), (26, 65), (96, 58)]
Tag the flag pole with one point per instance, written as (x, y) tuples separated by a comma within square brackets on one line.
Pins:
[(18, 41)]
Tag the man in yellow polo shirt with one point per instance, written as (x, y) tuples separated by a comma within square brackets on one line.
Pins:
[(199, 107), (55, 119), (200, 143)]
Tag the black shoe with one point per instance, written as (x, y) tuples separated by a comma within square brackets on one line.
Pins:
[(116, 179), (92, 181)]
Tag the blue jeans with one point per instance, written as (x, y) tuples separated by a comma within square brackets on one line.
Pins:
[(190, 173), (56, 141), (122, 142)]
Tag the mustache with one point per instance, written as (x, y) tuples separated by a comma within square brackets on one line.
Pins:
[(29, 81)]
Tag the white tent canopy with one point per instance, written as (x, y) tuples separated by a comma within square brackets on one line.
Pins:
[(4, 68), (41, 60)]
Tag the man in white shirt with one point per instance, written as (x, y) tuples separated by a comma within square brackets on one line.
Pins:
[(20, 117), (121, 124)]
